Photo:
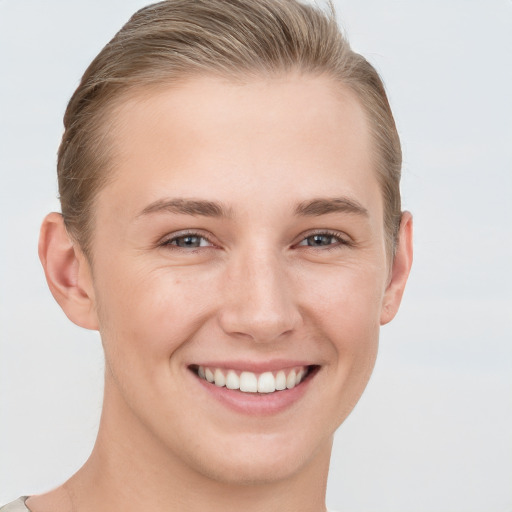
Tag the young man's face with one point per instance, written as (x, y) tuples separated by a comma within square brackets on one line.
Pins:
[(242, 235)]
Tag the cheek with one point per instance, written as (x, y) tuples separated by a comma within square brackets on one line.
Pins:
[(145, 317), (346, 303), (350, 321)]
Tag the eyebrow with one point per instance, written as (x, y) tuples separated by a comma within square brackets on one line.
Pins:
[(324, 206), (204, 208), (198, 207)]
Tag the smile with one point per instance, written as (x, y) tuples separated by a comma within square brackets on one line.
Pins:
[(250, 382)]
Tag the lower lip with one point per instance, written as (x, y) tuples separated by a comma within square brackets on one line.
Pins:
[(258, 404)]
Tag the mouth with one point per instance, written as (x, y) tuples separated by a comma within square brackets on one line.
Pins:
[(245, 381)]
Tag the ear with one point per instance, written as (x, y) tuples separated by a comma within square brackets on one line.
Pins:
[(68, 272), (400, 269)]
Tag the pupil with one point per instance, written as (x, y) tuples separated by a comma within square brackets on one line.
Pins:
[(188, 241), (320, 240)]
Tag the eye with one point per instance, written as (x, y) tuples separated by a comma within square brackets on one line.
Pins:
[(328, 240), (188, 241)]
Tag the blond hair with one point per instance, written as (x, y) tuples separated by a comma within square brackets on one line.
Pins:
[(175, 39)]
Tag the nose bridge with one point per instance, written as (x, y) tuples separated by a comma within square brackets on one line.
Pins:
[(261, 302)]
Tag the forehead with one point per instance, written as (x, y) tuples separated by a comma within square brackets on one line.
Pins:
[(288, 137)]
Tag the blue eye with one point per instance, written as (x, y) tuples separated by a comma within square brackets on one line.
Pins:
[(189, 241), (319, 240), (323, 240)]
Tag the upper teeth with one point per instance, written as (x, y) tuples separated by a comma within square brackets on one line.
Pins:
[(250, 382)]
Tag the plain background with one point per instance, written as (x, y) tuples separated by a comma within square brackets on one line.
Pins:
[(433, 432)]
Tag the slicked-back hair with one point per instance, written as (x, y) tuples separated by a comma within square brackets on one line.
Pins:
[(171, 41)]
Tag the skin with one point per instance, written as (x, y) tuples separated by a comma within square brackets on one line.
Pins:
[(253, 291)]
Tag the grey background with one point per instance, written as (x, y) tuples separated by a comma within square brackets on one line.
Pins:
[(433, 432)]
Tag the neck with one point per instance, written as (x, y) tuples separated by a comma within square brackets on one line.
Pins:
[(130, 470)]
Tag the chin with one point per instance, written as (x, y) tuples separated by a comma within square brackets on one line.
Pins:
[(262, 461), (266, 470)]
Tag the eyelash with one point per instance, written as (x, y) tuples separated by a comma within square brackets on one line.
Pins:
[(187, 234), (340, 241)]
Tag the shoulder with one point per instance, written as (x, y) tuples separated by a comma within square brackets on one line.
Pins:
[(16, 506)]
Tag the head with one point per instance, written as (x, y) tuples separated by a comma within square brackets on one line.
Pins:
[(229, 180), (172, 41)]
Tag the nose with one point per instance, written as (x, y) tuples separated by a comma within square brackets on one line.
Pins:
[(259, 301)]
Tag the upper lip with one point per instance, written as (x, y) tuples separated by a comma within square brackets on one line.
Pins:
[(253, 366)]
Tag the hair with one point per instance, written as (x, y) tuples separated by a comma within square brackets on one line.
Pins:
[(174, 40)]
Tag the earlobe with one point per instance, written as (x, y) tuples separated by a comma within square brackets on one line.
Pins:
[(67, 272), (399, 271)]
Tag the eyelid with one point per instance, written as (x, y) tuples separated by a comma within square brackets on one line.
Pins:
[(342, 238), (167, 239)]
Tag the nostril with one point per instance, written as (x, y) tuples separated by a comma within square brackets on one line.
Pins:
[(257, 327)]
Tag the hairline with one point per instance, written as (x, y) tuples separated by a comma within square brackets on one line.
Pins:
[(149, 85)]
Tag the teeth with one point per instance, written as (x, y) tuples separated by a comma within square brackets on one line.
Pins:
[(249, 382), (220, 380), (232, 380), (291, 380), (266, 383), (280, 380)]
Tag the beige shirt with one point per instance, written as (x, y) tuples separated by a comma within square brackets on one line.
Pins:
[(19, 506), (16, 506)]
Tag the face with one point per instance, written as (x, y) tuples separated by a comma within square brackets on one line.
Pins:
[(240, 241)]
